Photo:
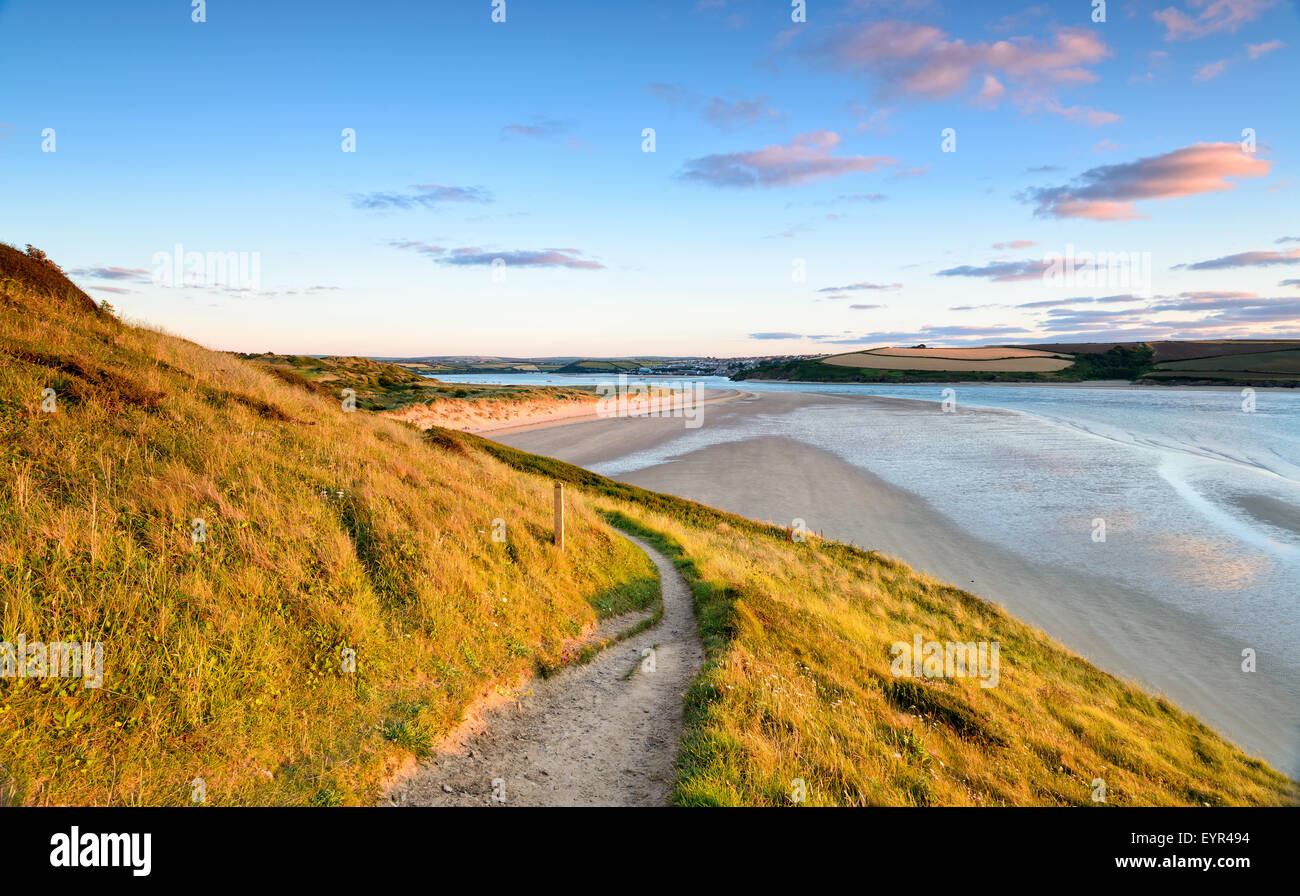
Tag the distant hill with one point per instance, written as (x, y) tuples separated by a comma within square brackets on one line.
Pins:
[(601, 365), (381, 386), (1237, 362)]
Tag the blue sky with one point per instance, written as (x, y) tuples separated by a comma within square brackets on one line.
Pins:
[(780, 147)]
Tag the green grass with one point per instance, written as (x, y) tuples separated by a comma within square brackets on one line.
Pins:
[(1280, 362), (797, 685)]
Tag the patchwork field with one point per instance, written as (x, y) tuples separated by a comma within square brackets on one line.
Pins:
[(957, 360), (1186, 351), (1206, 362), (1285, 362), (1240, 363)]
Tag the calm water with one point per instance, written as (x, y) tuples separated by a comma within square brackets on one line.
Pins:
[(1200, 499)]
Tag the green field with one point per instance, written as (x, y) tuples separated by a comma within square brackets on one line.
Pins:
[(601, 366), (1284, 363)]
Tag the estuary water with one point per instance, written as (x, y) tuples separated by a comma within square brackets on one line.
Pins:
[(1181, 504)]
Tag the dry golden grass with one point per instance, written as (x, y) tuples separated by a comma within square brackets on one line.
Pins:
[(799, 686), (326, 531)]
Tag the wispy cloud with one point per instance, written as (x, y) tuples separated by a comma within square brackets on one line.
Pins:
[(1107, 193), (1001, 271), (1205, 300), (1210, 70), (1262, 258), (1204, 314), (416, 246), (541, 128), (723, 113), (854, 287), (1255, 51), (807, 158), (731, 115), (473, 256), (1014, 244), (871, 121), (1210, 17), (137, 275), (673, 94), (421, 196), (949, 335), (1124, 299)]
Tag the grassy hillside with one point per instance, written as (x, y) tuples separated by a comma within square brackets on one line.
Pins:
[(1116, 362), (328, 531), (1259, 367), (601, 365), (325, 531), (31, 272), (798, 684), (380, 386)]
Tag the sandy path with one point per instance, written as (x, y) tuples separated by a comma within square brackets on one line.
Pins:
[(589, 736)]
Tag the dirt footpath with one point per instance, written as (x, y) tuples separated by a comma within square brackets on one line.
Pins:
[(603, 734)]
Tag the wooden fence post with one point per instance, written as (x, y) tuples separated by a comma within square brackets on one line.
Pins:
[(559, 516)]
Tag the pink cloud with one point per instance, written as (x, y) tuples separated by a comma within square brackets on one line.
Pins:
[(1262, 258), (1210, 70), (109, 272), (991, 92), (807, 158), (465, 256), (1212, 17), (924, 60), (1107, 193), (1257, 50), (1082, 114)]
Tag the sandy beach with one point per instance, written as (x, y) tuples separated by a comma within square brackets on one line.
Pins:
[(500, 417), (1126, 631)]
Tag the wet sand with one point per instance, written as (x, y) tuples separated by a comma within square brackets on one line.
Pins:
[(1129, 633)]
